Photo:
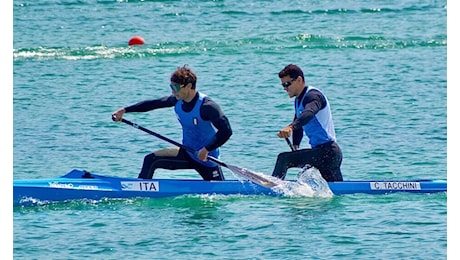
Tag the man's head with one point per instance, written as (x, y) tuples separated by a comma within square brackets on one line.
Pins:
[(292, 80), (183, 83), (183, 76)]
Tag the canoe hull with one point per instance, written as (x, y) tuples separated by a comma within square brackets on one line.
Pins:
[(79, 184)]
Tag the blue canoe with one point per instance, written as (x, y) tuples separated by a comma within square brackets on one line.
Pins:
[(78, 184)]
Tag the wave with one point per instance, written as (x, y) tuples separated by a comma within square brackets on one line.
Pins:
[(253, 45)]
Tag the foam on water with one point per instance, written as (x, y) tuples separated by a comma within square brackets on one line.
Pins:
[(309, 183)]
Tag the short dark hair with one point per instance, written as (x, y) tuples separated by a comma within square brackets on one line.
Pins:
[(184, 75), (292, 71)]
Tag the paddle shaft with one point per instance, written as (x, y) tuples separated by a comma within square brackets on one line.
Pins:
[(164, 138), (252, 176), (288, 141)]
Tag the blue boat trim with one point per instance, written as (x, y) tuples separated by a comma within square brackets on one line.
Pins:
[(78, 184)]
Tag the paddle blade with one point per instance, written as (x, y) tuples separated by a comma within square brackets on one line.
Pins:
[(257, 178)]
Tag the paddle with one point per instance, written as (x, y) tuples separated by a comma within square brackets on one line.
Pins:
[(252, 176), (288, 141)]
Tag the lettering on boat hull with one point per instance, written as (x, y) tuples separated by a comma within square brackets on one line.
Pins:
[(72, 186), (152, 186), (395, 185)]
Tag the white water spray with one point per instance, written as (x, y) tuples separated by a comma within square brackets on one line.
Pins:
[(309, 183)]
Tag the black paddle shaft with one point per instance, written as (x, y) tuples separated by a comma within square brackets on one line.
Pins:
[(288, 141), (164, 138), (254, 177)]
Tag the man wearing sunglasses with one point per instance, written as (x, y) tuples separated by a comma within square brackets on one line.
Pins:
[(312, 117), (204, 128)]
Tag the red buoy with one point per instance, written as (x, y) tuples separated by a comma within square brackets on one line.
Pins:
[(136, 40)]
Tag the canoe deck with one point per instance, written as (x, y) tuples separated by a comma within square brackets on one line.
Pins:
[(78, 184)]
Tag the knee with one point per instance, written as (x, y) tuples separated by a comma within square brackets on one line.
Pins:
[(282, 155), (149, 157)]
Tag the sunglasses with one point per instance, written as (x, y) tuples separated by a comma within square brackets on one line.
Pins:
[(175, 88), (288, 83)]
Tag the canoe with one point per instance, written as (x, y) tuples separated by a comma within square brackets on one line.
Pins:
[(80, 184)]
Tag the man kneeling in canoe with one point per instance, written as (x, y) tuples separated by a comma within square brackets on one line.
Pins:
[(204, 128), (312, 117)]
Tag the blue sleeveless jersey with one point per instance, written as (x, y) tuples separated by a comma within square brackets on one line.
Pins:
[(196, 132), (320, 129)]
